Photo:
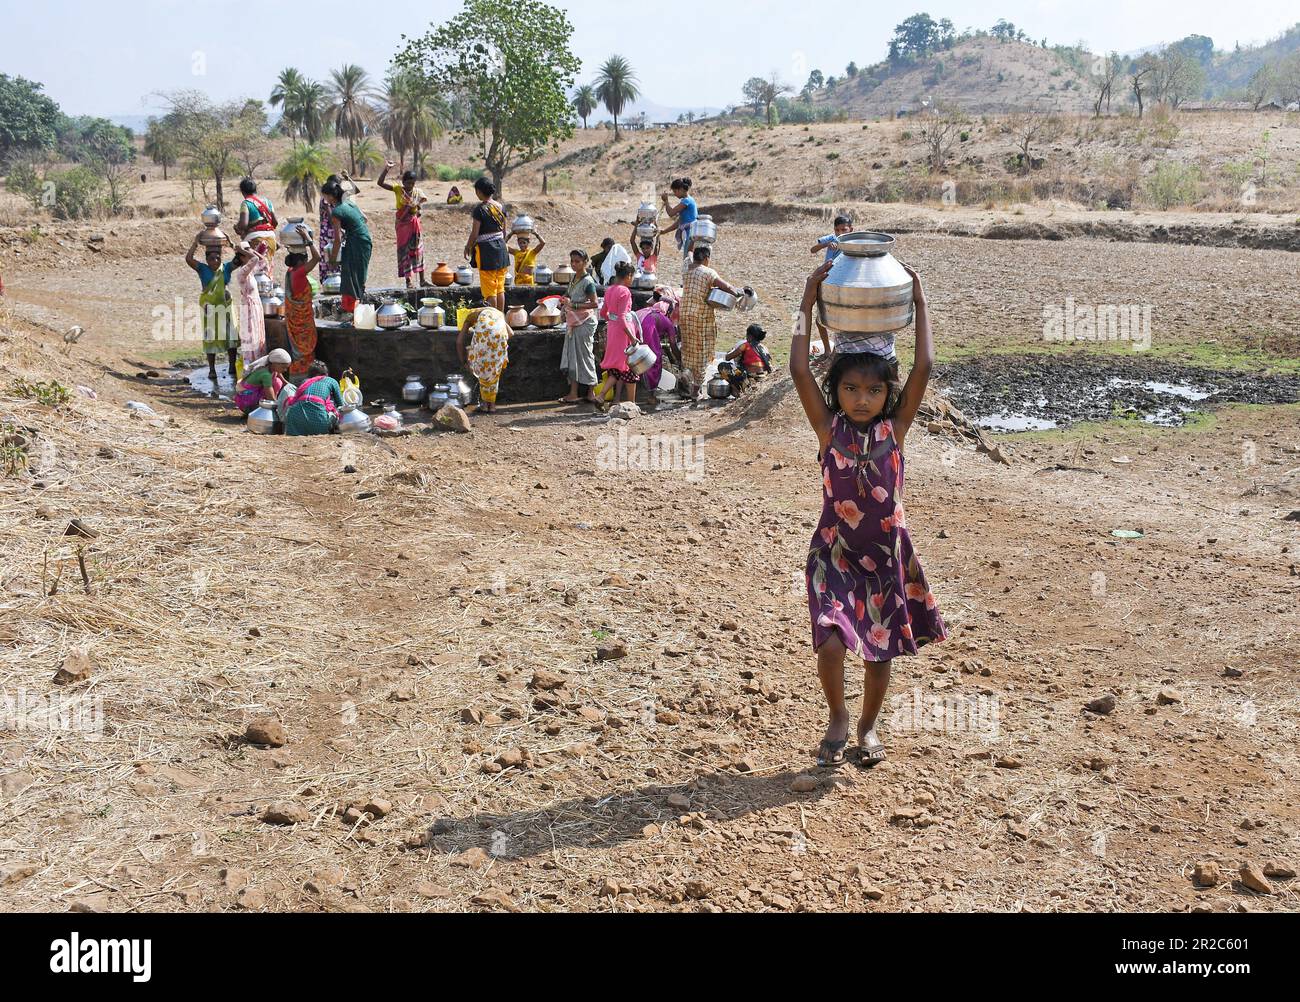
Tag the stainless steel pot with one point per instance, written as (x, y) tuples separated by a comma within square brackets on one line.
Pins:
[(465, 275), (439, 397), (704, 231), (542, 275), (353, 420), (391, 316), (640, 358), (523, 224), (720, 299), (647, 231), (273, 307), (645, 281), (459, 390), (333, 285), (431, 315), (867, 290), (291, 238), (261, 420), (414, 390), (563, 275), (265, 286), (647, 212), (718, 388), (211, 216)]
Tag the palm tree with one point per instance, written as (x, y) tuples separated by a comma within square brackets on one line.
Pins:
[(366, 156), (350, 106), (310, 104), (289, 82), (413, 115), (584, 102), (616, 87), (302, 173)]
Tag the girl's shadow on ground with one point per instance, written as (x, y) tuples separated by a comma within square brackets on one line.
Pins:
[(604, 822)]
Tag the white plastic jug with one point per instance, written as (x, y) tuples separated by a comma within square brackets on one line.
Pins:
[(363, 317)]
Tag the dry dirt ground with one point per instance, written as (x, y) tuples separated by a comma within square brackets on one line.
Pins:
[(426, 630)]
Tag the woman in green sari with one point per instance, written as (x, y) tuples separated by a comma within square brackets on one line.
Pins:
[(355, 261), (219, 330)]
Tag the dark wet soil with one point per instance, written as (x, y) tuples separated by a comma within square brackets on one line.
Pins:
[(1029, 392)]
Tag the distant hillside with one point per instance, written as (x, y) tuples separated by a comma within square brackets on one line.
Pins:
[(1228, 72), (978, 75)]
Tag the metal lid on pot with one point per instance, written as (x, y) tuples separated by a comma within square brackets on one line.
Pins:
[(865, 243)]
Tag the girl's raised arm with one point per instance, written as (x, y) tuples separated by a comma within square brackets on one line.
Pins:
[(810, 395), (919, 377)]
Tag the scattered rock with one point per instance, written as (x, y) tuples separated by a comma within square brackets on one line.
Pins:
[(1167, 696), (1252, 878), (609, 888), (1207, 874), (1231, 672), (545, 681), (494, 897), (427, 890), (472, 859), (13, 783), (266, 731), (251, 899), (469, 715), (511, 758), (1008, 762), (697, 890), (285, 814), (76, 668), (1278, 870), (612, 651), (678, 801), (378, 808), (1102, 705), (451, 416), (235, 879), (668, 717), (16, 870), (625, 411), (803, 784)]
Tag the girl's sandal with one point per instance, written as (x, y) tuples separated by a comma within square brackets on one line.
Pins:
[(831, 753), (870, 756)]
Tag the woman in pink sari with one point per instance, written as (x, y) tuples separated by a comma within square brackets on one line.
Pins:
[(620, 331), (252, 321), (410, 231)]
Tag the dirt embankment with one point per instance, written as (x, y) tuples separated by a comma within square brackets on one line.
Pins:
[(1248, 236)]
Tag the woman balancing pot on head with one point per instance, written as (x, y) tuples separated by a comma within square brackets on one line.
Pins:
[(328, 231), (683, 214), (299, 308), (257, 222), (486, 247), (410, 231), (354, 260)]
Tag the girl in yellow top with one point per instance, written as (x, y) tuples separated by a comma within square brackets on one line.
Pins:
[(410, 231), (525, 256)]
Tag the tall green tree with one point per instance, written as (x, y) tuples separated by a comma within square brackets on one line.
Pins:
[(211, 136), (286, 87), (28, 118), (584, 102), (160, 145), (616, 87), (508, 68), (352, 108)]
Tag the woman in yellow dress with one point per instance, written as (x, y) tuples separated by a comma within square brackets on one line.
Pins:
[(487, 354)]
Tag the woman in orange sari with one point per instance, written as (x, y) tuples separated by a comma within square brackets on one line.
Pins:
[(299, 307)]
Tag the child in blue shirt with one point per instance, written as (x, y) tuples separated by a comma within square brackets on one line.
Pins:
[(843, 225)]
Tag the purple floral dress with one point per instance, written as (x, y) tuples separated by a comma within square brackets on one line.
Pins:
[(864, 580)]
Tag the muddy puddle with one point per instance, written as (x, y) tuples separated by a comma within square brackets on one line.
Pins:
[(1010, 393)]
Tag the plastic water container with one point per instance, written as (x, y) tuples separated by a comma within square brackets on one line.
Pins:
[(363, 317)]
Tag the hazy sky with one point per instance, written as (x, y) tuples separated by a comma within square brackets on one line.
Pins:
[(105, 58)]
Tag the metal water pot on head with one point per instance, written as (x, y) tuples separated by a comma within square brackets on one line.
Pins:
[(647, 212), (867, 290)]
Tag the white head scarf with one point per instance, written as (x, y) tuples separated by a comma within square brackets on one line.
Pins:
[(279, 356)]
